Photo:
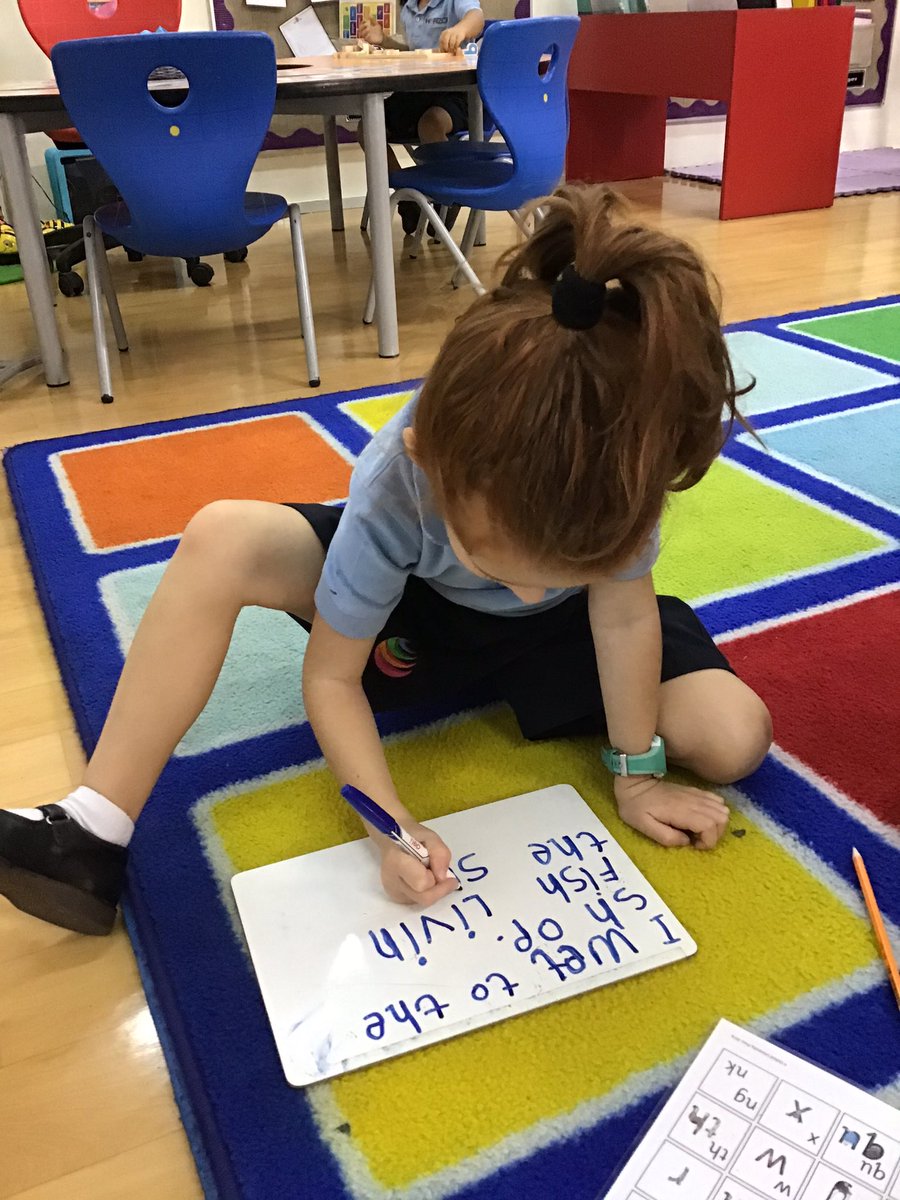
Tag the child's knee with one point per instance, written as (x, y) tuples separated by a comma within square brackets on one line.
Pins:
[(220, 535), (435, 125), (738, 743)]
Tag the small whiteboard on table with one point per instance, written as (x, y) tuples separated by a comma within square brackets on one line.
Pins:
[(550, 907), (751, 1121), (305, 34)]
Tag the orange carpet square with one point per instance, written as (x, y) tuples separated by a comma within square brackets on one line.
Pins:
[(149, 488)]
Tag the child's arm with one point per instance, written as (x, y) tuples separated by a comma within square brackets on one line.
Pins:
[(467, 29), (625, 625), (373, 33), (345, 728)]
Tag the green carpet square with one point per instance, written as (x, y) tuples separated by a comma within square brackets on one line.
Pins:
[(872, 330)]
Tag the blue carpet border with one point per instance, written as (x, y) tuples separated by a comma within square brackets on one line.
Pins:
[(585, 1156)]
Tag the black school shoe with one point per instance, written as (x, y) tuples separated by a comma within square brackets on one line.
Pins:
[(409, 216), (57, 871)]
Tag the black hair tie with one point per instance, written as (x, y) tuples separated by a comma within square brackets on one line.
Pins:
[(577, 303)]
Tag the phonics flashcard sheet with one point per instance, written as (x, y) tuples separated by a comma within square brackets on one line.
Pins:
[(750, 1120)]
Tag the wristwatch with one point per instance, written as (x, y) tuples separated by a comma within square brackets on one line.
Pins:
[(652, 762)]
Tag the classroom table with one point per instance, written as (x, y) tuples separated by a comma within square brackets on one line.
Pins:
[(782, 73), (310, 86)]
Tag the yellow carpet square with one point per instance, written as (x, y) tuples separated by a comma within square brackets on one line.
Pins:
[(750, 906), (375, 411), (734, 530)]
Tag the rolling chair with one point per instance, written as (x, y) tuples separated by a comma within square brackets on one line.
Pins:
[(52, 21), (181, 167), (522, 70)]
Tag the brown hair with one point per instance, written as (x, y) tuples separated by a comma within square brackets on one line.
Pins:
[(573, 438)]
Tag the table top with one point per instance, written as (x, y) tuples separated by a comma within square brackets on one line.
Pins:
[(298, 79)]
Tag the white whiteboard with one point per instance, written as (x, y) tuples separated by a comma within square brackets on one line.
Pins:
[(551, 906)]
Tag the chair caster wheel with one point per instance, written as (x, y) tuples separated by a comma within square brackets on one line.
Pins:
[(201, 274), (70, 283), (235, 256)]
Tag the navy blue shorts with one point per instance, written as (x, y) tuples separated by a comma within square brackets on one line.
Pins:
[(543, 665), (404, 110)]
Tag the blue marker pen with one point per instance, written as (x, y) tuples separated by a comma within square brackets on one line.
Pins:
[(385, 823)]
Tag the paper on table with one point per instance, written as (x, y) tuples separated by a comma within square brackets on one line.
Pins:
[(305, 34)]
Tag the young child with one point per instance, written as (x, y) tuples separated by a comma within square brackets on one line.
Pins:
[(416, 117), (501, 528)]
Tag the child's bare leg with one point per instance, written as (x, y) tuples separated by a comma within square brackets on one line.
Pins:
[(65, 862), (233, 553), (714, 724), (435, 125)]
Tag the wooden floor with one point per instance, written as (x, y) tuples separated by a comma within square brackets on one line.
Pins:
[(86, 1110)]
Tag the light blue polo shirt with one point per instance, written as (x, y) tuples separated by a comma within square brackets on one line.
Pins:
[(390, 530), (423, 26)]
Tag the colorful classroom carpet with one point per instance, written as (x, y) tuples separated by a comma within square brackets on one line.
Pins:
[(791, 554), (859, 171)]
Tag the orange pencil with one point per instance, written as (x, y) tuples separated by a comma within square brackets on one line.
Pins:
[(881, 936)]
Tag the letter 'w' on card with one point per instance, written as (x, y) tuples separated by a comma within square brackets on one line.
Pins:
[(771, 1125), (551, 907)]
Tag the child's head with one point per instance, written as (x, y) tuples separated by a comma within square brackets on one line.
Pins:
[(551, 449)]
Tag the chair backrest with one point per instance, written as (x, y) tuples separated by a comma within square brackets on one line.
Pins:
[(526, 95), (182, 168), (52, 21)]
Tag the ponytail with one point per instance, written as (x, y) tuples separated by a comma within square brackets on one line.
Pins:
[(590, 383)]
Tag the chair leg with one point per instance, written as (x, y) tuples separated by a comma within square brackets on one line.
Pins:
[(468, 241), (95, 284), (364, 219), (304, 299), (521, 221), (443, 236), (442, 213), (416, 244), (112, 300)]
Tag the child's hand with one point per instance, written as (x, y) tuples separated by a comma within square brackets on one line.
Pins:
[(451, 40), (670, 813), (409, 882), (370, 31)]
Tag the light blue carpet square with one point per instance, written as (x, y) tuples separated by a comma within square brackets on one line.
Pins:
[(258, 690), (860, 448), (787, 374)]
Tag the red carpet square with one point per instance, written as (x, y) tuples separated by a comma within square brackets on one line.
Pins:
[(149, 488), (830, 681)]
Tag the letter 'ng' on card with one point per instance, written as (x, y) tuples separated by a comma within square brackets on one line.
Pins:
[(551, 907), (751, 1121)]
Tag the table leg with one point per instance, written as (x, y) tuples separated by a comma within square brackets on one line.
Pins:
[(476, 133), (32, 255), (614, 136), (333, 171), (380, 225)]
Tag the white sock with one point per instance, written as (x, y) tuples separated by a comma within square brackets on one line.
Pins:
[(94, 813)]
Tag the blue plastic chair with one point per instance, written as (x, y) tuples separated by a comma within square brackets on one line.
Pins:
[(527, 96), (181, 169)]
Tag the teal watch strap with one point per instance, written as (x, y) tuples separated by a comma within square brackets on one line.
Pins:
[(653, 762)]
